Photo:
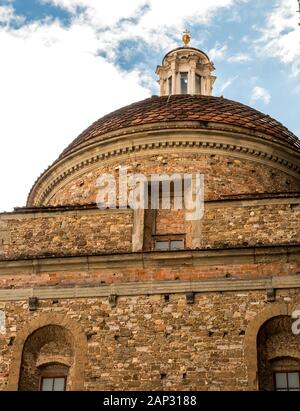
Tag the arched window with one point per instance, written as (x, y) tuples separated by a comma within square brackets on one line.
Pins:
[(278, 355), (48, 354)]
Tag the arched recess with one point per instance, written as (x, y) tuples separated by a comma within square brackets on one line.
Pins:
[(48, 346), (59, 322), (278, 352), (250, 344)]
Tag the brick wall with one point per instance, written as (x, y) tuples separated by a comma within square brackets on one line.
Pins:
[(262, 268), (170, 222)]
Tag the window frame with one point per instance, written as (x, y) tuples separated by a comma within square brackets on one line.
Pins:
[(47, 373), (169, 239), (286, 372), (54, 377)]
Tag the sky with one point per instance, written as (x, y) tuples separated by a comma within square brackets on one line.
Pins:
[(66, 63)]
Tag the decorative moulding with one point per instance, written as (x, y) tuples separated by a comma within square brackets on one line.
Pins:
[(229, 142)]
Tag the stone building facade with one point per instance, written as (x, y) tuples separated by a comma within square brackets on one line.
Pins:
[(123, 299)]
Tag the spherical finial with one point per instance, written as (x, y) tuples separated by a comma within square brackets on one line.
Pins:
[(186, 38)]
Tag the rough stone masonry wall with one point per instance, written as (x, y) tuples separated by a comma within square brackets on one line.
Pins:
[(154, 343), (250, 225), (72, 233), (65, 233), (224, 175), (233, 224)]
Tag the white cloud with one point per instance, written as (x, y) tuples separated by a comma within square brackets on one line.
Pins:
[(239, 58), (54, 84), (227, 83), (260, 94), (218, 52), (160, 24), (7, 15), (160, 13), (100, 12), (280, 37), (173, 13)]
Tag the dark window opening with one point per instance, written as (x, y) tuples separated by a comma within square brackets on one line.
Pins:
[(198, 84), (170, 85), (184, 82)]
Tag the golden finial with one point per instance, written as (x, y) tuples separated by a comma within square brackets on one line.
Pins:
[(186, 38)]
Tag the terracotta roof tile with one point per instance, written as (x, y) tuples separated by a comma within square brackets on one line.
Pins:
[(186, 108)]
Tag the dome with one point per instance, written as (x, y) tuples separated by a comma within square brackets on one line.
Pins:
[(198, 109), (185, 129)]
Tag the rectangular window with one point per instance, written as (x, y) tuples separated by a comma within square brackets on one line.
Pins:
[(161, 245), (53, 384), (170, 85), (167, 244), (198, 84), (184, 82), (287, 381), (176, 244)]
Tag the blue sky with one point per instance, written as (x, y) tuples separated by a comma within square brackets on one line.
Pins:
[(33, 10), (65, 63)]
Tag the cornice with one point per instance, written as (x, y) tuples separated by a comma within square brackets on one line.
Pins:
[(186, 50), (152, 288), (146, 140), (242, 200), (186, 258)]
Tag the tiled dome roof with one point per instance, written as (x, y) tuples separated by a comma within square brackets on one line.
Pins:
[(185, 108)]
